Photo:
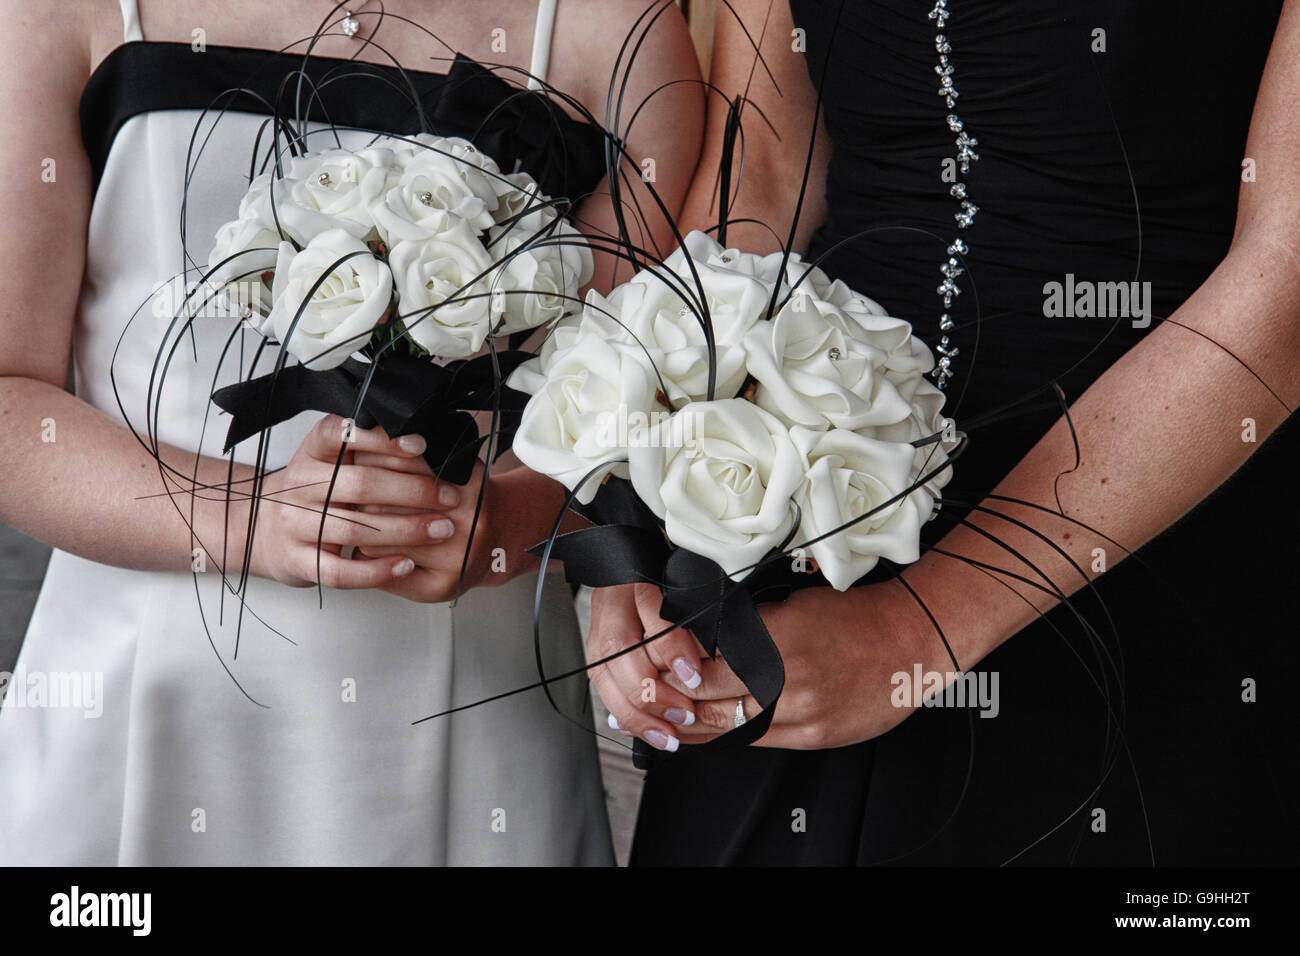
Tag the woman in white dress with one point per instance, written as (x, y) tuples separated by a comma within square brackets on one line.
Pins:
[(156, 756)]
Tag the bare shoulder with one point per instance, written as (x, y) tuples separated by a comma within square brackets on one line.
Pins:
[(591, 33), (39, 51)]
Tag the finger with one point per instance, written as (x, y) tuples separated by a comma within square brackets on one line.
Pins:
[(447, 557), (676, 650), (615, 625), (332, 571), (425, 586), (636, 676), (717, 681), (387, 510), (358, 485), (714, 717), (623, 716), (332, 432), (413, 465), (392, 533)]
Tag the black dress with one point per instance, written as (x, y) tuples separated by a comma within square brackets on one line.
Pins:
[(1211, 777)]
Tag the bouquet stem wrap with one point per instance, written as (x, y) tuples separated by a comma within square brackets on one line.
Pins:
[(628, 546), (406, 395)]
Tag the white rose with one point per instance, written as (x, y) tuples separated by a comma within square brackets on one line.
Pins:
[(435, 187), (704, 249), (443, 291), (515, 193), (545, 261), (339, 316), (252, 250), (335, 189), (926, 420), (817, 283), (721, 475), (657, 316), (596, 398), (850, 476), (817, 367), (594, 319)]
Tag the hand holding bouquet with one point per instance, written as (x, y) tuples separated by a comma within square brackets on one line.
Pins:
[(727, 419)]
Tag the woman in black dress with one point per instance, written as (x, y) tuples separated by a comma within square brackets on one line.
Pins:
[(1113, 142)]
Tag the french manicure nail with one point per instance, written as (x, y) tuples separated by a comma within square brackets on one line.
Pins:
[(678, 716), (413, 444), (687, 674), (613, 723), (441, 528), (403, 567), (661, 741), (448, 495)]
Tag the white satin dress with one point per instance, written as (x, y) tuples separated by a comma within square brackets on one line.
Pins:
[(180, 767)]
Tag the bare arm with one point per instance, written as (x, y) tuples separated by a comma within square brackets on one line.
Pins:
[(94, 490), (775, 155), (1173, 405), (667, 132)]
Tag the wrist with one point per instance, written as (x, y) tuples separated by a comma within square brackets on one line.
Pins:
[(520, 512), (972, 608)]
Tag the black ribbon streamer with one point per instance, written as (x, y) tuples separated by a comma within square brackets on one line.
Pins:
[(407, 395), (627, 545)]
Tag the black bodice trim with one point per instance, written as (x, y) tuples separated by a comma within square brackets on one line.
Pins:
[(520, 129)]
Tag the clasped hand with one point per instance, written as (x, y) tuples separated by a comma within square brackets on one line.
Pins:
[(841, 653), (408, 530)]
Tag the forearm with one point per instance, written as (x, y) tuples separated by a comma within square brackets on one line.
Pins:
[(94, 491), (1157, 433)]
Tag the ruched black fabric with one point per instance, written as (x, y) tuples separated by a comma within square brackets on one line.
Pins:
[(1110, 166), (520, 129)]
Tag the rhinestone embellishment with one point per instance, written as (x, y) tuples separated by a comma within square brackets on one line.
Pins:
[(948, 290), (324, 179), (425, 197), (350, 25), (834, 354)]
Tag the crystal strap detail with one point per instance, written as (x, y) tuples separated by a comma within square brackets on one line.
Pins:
[(965, 154)]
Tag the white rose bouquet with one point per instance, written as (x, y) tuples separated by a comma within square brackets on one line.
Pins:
[(795, 419), (400, 255)]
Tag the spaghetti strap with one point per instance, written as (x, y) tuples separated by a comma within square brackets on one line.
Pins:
[(131, 21), (541, 43)]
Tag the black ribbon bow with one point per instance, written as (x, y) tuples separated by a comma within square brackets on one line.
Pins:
[(407, 395), (627, 545)]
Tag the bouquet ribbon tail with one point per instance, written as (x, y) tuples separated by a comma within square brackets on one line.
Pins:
[(404, 394)]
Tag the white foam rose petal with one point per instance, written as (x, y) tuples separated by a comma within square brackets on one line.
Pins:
[(442, 291), (544, 264), (432, 183), (848, 476), (571, 424), (705, 489), (657, 316), (567, 332), (800, 381), (251, 250), (336, 319)]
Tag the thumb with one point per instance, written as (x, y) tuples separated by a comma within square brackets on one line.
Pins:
[(677, 650)]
